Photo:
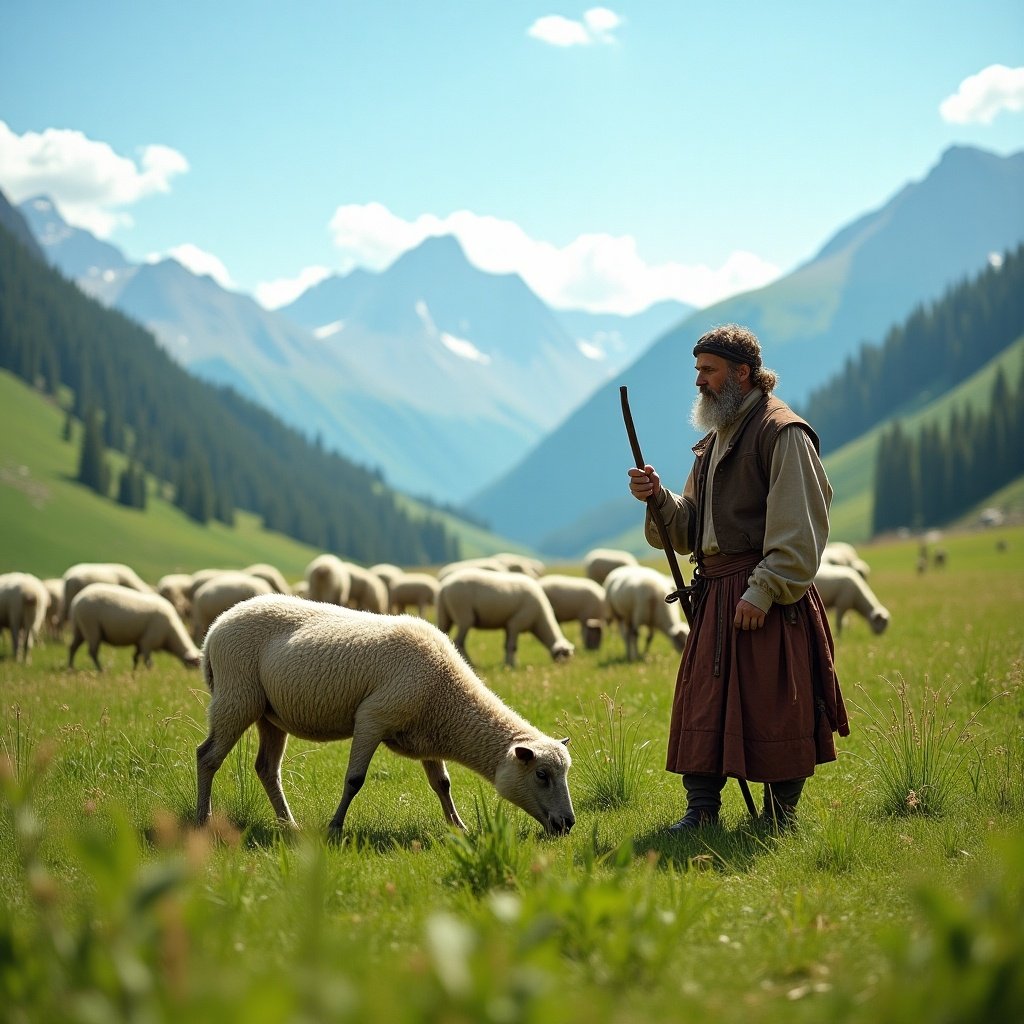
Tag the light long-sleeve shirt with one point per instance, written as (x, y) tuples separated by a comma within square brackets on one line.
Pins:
[(796, 516)]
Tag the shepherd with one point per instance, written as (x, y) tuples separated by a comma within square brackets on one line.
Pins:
[(757, 697)]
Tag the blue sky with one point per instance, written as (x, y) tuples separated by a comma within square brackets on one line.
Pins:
[(612, 155)]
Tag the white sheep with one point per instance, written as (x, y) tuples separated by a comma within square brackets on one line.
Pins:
[(325, 673), (201, 576), (24, 601), (414, 588), (843, 588), (520, 563), (511, 601), (387, 572), (577, 599), (484, 562), (328, 580), (177, 587), (271, 574), (636, 598), (367, 591), (80, 575), (122, 617), (219, 594), (54, 621), (598, 562), (839, 552)]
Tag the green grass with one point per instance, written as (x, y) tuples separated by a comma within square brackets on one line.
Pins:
[(112, 907)]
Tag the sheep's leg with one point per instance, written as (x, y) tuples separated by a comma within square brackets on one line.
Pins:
[(511, 638), (650, 639), (76, 642), (441, 784), (268, 767), (364, 745), (210, 756), (460, 643), (94, 653)]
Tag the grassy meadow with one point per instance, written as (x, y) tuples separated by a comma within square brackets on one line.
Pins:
[(900, 896)]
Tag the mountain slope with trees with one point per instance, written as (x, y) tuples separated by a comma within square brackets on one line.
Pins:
[(228, 452), (935, 349), (871, 275)]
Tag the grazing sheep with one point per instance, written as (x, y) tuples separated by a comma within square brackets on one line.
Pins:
[(843, 588), (54, 621), (598, 562), (521, 563), (271, 574), (367, 591), (636, 598), (219, 594), (490, 564), (839, 552), (119, 616), (80, 575), (23, 605), (200, 577), (576, 599), (511, 601), (387, 572), (177, 587), (328, 580), (414, 588), (327, 673)]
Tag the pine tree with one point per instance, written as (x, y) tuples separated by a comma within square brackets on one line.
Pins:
[(93, 469)]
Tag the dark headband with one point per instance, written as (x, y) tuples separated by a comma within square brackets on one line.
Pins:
[(716, 348)]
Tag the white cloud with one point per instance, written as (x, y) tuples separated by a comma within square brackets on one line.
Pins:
[(598, 25), (597, 272), (87, 180), (198, 261), (982, 96), (284, 290)]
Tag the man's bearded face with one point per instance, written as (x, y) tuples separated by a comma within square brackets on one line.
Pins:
[(713, 410)]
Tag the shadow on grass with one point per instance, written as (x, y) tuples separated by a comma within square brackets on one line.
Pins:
[(712, 848)]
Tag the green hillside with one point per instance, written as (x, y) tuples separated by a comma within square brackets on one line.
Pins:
[(50, 521), (851, 468)]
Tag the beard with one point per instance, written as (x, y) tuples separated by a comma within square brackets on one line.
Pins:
[(713, 412)]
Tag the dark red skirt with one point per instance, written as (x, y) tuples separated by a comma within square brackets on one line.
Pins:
[(761, 704)]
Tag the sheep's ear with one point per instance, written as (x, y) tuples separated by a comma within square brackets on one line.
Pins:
[(565, 741), (524, 754)]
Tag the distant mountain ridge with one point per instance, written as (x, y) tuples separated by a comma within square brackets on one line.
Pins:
[(437, 373), (867, 278)]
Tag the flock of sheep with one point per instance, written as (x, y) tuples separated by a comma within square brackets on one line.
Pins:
[(333, 657)]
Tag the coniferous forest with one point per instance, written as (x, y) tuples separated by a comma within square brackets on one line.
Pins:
[(941, 472), (933, 476), (218, 451), (932, 351)]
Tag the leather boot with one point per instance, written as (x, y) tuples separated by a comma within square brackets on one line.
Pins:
[(703, 801), (780, 800)]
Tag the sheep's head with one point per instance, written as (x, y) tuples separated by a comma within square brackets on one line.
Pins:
[(534, 776), (879, 620), (193, 659), (562, 650), (593, 631)]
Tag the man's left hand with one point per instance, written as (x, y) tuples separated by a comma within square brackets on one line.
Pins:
[(748, 616)]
